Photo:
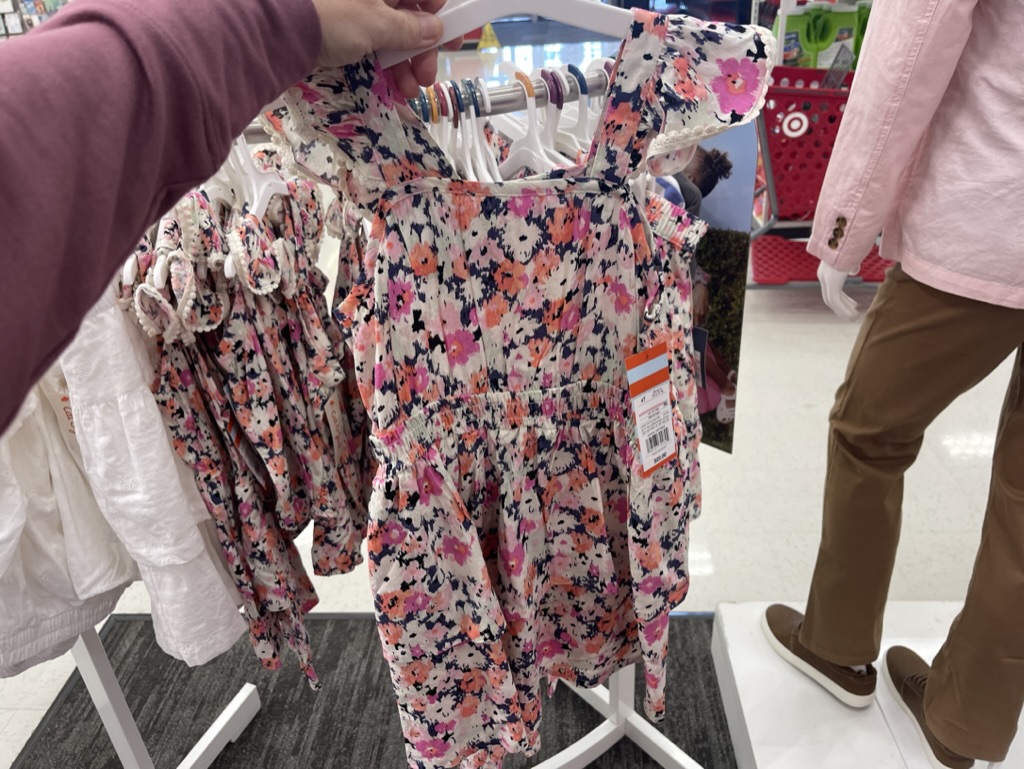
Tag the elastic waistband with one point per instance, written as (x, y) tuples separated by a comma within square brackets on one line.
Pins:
[(554, 407)]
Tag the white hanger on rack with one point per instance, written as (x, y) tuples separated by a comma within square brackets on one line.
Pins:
[(566, 141), (258, 187), (463, 18), (466, 134), (527, 152), (484, 158), (551, 117), (581, 130)]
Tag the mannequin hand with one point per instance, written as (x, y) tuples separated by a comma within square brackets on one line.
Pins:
[(353, 29), (832, 282)]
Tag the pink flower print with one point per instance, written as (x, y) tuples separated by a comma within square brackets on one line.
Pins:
[(399, 298), (650, 585), (420, 380), (655, 629), (455, 549), (623, 300), (461, 345), (737, 86), (393, 533), (429, 484), (432, 749), (415, 602), (548, 649), (512, 559), (520, 206), (571, 317)]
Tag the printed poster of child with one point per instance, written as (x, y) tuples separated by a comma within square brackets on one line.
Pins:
[(718, 187)]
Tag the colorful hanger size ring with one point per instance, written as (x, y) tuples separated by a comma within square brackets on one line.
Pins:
[(424, 105), (549, 83), (457, 105), (531, 93), (434, 112), (442, 99), (577, 73), (470, 87)]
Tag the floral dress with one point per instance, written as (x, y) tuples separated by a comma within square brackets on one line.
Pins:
[(514, 535)]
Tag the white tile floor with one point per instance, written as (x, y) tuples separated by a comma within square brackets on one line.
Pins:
[(758, 537)]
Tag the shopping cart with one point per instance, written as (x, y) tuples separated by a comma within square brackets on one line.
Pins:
[(796, 131)]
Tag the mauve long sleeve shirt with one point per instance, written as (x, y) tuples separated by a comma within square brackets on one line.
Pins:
[(109, 113)]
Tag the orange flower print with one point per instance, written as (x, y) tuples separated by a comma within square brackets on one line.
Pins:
[(467, 208), (560, 226), (687, 86), (495, 309), (423, 259), (511, 277)]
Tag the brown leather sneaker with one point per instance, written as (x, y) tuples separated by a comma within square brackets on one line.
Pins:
[(907, 674), (782, 628)]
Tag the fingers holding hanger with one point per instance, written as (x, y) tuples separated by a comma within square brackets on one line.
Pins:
[(353, 29), (427, 6)]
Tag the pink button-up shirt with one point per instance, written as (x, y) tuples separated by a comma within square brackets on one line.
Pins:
[(931, 149)]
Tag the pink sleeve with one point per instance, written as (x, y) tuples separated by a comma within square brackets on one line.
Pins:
[(109, 113), (908, 59)]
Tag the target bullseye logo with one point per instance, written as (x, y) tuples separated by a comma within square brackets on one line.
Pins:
[(795, 125)]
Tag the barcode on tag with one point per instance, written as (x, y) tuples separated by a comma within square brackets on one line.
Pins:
[(664, 436), (650, 392)]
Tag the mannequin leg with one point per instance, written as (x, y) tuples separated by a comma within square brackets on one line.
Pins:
[(919, 349), (976, 688)]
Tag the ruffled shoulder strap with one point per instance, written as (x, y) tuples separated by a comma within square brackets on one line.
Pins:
[(678, 80), (714, 76), (344, 127)]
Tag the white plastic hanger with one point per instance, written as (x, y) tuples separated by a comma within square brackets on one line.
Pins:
[(581, 131), (463, 18), (258, 186), (466, 134), (566, 141), (486, 162), (527, 152), (551, 117)]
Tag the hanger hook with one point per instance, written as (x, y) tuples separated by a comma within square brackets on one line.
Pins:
[(434, 111), (577, 73)]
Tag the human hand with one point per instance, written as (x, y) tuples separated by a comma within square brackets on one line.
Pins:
[(832, 283), (353, 29), (701, 301)]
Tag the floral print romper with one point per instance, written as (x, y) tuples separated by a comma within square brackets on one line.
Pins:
[(246, 368), (513, 535)]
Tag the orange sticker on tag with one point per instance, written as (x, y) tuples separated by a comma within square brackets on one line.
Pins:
[(651, 394)]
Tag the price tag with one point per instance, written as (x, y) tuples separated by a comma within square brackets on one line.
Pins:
[(650, 392)]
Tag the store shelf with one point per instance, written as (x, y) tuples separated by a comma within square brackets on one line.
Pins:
[(780, 719)]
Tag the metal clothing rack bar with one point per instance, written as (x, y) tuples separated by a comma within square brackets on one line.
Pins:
[(512, 98)]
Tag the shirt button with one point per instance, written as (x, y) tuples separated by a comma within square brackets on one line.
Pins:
[(841, 221), (834, 243), (838, 232)]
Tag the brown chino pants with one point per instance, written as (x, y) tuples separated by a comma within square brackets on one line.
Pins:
[(919, 349)]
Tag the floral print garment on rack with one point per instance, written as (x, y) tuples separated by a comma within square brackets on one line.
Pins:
[(246, 369), (513, 534)]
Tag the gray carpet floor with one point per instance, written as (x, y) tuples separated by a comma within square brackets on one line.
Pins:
[(353, 722)]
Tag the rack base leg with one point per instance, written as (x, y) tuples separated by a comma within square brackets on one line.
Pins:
[(98, 675), (226, 729), (615, 703)]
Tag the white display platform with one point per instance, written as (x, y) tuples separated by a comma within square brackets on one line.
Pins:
[(780, 719)]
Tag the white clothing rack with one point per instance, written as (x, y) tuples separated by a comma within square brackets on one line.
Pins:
[(95, 669), (616, 703)]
